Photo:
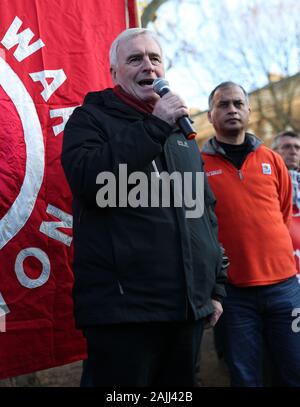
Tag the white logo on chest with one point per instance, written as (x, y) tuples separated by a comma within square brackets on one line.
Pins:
[(266, 168)]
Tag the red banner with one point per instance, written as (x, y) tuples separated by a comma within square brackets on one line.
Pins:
[(51, 54)]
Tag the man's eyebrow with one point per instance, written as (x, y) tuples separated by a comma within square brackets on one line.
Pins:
[(139, 53), (154, 54), (290, 143), (229, 100), (135, 54)]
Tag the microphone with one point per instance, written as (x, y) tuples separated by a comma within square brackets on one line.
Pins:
[(161, 87)]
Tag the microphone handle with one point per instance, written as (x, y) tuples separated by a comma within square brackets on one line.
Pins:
[(186, 127), (183, 122)]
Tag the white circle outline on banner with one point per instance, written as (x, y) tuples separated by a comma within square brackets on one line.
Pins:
[(18, 214)]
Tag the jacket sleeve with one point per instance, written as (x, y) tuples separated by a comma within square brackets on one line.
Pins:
[(284, 191), (221, 271), (90, 148)]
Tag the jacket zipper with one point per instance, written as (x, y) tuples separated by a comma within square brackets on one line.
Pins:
[(240, 174), (120, 288)]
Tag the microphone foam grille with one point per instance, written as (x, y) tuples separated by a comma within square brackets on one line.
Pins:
[(159, 84)]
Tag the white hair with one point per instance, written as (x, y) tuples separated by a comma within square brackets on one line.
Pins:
[(127, 35)]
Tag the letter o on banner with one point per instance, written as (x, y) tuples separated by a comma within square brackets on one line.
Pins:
[(23, 279)]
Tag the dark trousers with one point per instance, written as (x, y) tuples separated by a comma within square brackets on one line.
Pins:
[(255, 317), (143, 354)]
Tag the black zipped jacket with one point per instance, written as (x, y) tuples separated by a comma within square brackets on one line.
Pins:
[(136, 264)]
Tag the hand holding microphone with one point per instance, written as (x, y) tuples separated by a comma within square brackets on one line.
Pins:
[(171, 108)]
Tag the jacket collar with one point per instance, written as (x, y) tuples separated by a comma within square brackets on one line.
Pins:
[(112, 104), (212, 147)]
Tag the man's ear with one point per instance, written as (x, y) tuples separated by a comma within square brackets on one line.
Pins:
[(209, 116), (113, 74)]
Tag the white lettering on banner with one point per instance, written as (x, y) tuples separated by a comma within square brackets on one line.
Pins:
[(64, 113), (23, 279), (18, 214), (50, 228), (58, 77), (21, 209), (23, 50), (4, 310)]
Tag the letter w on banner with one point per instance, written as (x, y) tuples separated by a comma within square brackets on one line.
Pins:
[(51, 54)]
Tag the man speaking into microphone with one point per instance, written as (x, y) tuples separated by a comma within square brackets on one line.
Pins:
[(146, 275)]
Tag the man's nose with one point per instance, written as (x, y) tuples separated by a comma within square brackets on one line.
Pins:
[(232, 108), (147, 64)]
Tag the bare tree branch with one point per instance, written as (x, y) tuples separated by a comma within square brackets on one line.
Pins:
[(149, 13)]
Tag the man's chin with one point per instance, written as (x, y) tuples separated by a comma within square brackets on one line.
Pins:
[(149, 97), (292, 165), (232, 131), (234, 126)]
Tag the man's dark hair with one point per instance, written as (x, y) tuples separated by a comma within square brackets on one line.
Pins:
[(222, 85), (286, 133)]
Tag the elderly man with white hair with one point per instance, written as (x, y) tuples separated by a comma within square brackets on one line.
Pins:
[(147, 275)]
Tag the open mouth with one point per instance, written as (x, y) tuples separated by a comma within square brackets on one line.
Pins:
[(146, 82)]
